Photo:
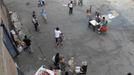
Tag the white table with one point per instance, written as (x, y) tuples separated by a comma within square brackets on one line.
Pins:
[(94, 24)]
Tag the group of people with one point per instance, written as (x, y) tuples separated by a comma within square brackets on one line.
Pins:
[(59, 63), (26, 40), (102, 22), (42, 13), (103, 26), (73, 67)]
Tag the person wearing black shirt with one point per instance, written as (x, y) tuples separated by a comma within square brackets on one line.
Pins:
[(57, 60), (27, 44)]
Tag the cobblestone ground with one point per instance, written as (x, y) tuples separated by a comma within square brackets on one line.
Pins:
[(110, 54)]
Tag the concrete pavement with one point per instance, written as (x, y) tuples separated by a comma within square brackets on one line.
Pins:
[(111, 54)]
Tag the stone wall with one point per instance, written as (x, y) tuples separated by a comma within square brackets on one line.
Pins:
[(7, 65)]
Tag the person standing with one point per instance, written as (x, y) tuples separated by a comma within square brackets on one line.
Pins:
[(80, 2), (36, 24), (70, 5), (83, 68), (98, 17), (44, 14), (27, 43), (57, 36), (57, 60), (72, 64)]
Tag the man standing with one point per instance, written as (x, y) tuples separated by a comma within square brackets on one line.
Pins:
[(57, 36), (35, 22), (70, 5)]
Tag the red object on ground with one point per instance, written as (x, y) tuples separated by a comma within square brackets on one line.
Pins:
[(103, 28)]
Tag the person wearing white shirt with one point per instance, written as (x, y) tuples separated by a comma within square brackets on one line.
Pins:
[(70, 5), (36, 24), (57, 35)]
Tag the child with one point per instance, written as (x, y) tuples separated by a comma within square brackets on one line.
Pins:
[(61, 38)]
